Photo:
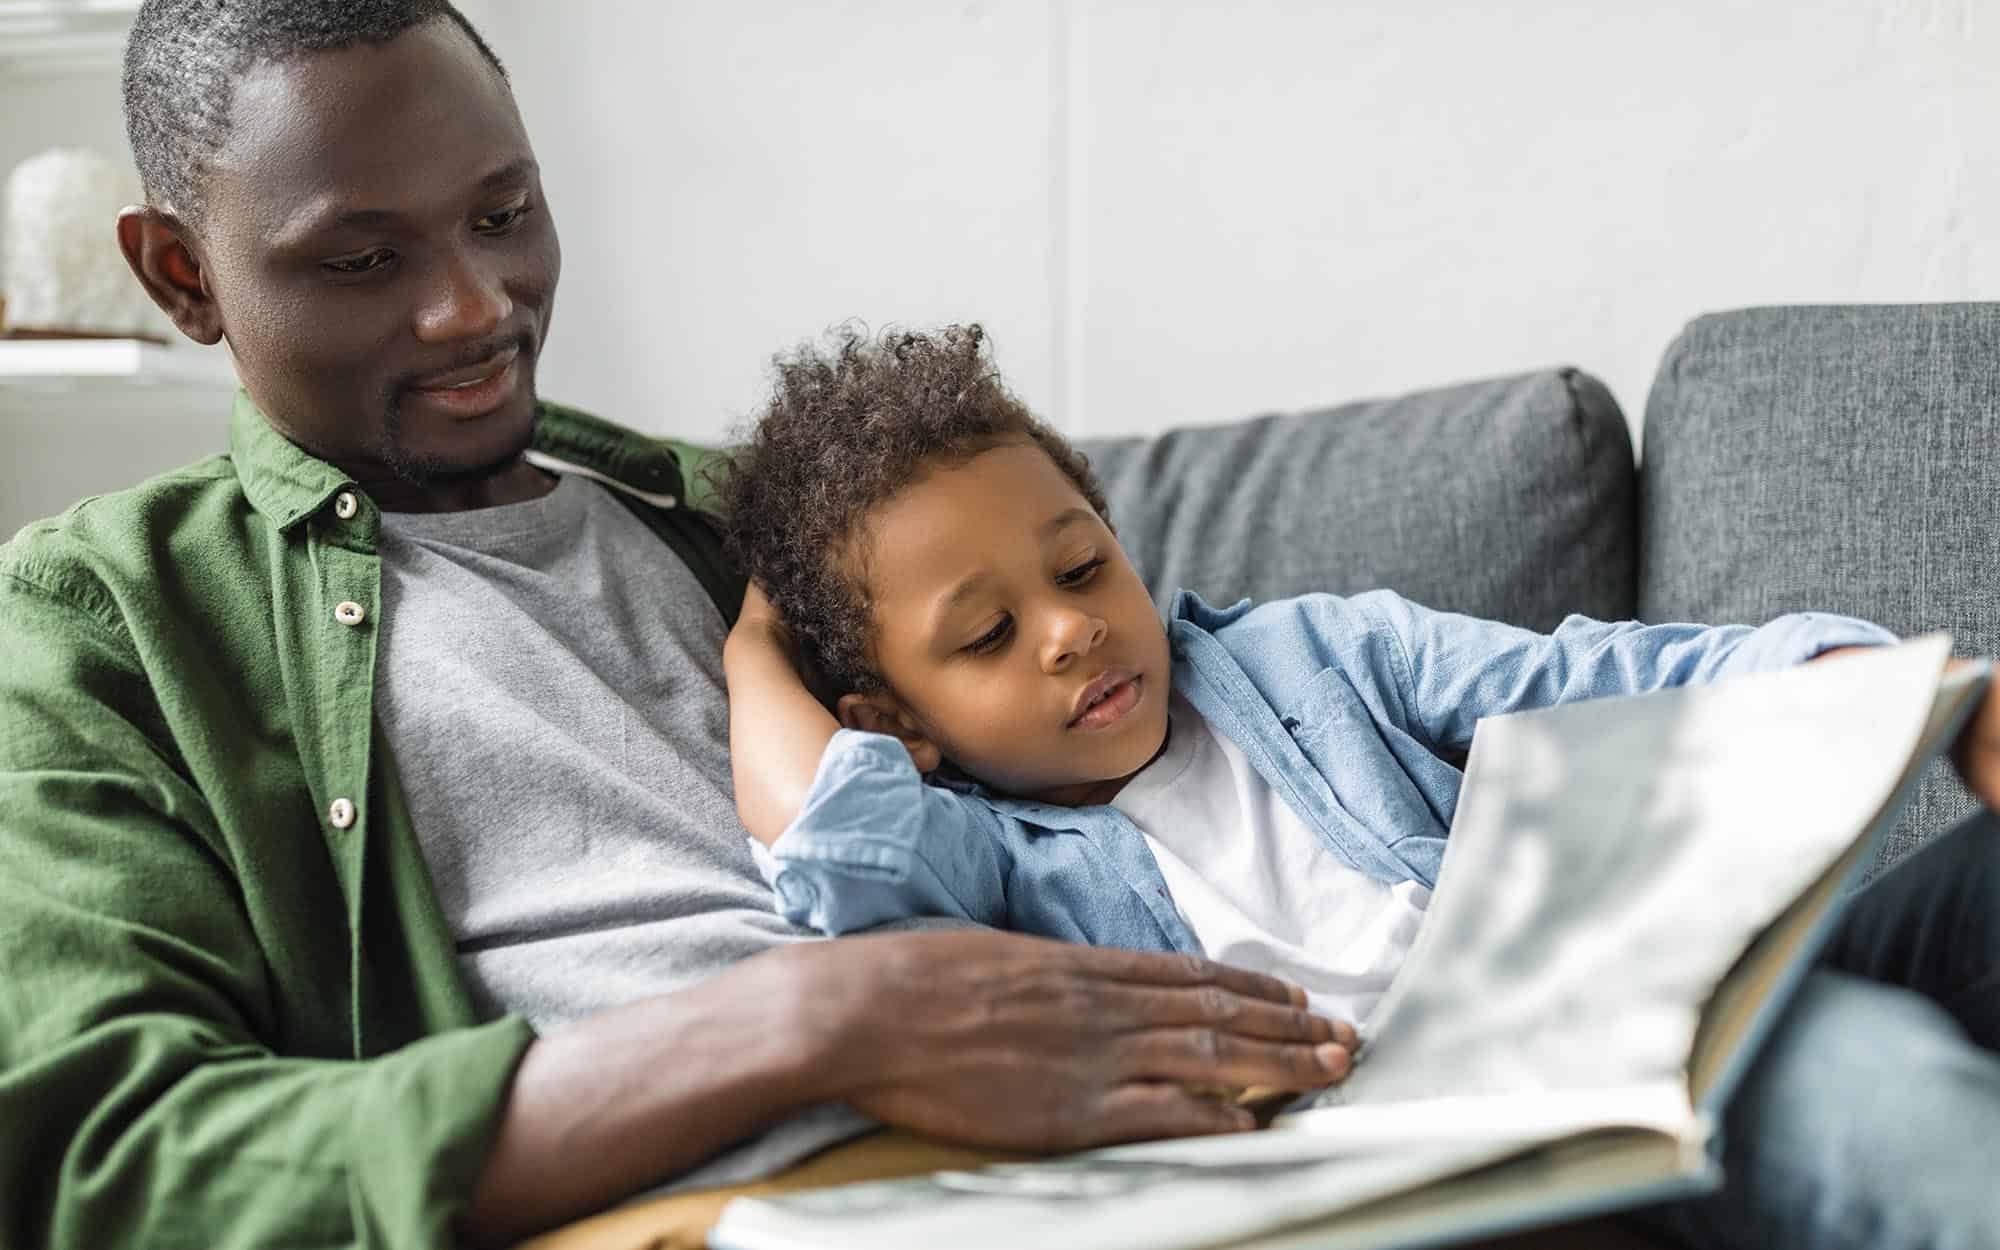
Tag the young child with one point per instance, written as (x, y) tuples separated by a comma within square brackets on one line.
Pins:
[(1018, 740)]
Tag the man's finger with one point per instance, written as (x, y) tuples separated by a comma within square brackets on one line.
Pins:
[(1156, 968), (1202, 1056), (1215, 1007), (1145, 1110)]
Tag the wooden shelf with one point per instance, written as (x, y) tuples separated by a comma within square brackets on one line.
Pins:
[(65, 364)]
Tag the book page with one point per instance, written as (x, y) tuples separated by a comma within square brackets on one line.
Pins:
[(1199, 1191), (1741, 999), (1095, 1201), (1611, 860), (1586, 1175)]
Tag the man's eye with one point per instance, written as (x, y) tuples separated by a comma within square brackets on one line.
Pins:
[(1080, 574), (367, 262), (992, 639), (505, 219)]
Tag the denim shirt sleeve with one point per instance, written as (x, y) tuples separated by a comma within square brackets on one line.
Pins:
[(1450, 670), (873, 843)]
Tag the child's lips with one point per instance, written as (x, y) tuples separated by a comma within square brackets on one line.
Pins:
[(1114, 694)]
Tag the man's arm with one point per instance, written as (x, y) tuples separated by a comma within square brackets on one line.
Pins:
[(777, 730), (152, 1096), (147, 1088), (984, 1038)]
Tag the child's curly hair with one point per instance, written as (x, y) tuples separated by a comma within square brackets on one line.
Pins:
[(847, 427)]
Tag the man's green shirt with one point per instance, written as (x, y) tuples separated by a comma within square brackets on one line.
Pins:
[(230, 1011)]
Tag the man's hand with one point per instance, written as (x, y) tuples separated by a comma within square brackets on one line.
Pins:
[(978, 1037), (1977, 751), (1002, 1040)]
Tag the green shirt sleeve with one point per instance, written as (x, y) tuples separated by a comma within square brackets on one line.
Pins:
[(699, 465), (148, 1093)]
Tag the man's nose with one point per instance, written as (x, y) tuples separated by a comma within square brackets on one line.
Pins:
[(469, 301), (1072, 634)]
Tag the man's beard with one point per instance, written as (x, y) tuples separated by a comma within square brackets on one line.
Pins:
[(431, 470)]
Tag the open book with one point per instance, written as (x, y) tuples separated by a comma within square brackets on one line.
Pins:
[(1631, 891)]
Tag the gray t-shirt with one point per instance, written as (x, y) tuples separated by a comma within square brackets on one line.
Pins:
[(549, 677)]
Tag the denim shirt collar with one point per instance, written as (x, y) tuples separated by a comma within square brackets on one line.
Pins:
[(1186, 605), (1211, 678)]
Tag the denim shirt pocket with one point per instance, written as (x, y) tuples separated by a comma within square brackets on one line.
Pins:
[(1323, 707)]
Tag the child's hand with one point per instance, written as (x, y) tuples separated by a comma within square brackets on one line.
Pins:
[(1977, 751), (758, 612), (761, 630)]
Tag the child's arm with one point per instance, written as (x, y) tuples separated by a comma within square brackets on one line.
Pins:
[(870, 843), (777, 730), (1438, 673), (1461, 669)]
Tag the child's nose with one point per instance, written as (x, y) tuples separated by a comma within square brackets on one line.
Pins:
[(1072, 634)]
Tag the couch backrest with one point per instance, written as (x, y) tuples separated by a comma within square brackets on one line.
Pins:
[(1844, 458), (1511, 498)]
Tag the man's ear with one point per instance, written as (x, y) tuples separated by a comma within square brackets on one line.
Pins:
[(156, 246), (883, 714)]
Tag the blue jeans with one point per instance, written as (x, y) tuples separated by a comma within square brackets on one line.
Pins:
[(1872, 1116)]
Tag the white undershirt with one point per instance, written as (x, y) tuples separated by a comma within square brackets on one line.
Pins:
[(1259, 888)]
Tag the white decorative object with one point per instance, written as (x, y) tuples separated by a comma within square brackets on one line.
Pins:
[(59, 248)]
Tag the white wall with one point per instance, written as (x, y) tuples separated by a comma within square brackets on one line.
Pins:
[(1177, 211), (1173, 211), (731, 177)]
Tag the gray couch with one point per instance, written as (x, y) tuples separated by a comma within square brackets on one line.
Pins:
[(1841, 458)]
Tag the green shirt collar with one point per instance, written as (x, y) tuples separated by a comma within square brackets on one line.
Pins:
[(287, 484), (281, 480)]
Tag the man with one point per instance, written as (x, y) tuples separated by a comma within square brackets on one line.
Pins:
[(368, 866)]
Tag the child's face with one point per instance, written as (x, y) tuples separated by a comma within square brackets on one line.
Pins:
[(1012, 633)]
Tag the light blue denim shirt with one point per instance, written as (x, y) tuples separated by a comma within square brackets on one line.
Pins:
[(1357, 711)]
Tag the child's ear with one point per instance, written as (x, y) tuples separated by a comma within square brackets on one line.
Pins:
[(882, 714)]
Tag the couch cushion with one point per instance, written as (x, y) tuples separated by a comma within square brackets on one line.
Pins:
[(1511, 498), (1841, 458)]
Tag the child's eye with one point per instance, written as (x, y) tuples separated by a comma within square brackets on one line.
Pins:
[(1080, 574), (992, 639)]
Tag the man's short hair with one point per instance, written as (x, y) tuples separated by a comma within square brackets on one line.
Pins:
[(184, 58)]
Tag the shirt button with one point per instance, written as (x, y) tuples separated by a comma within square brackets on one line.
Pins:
[(341, 814), (345, 505), (348, 612)]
